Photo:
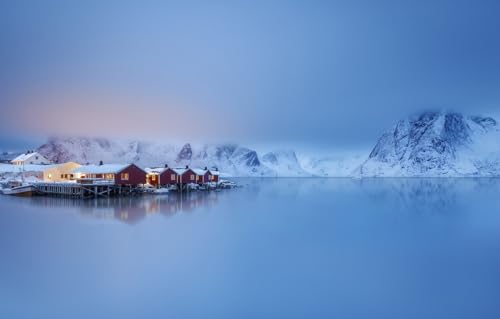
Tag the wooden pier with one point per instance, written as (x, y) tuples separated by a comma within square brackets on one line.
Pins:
[(83, 191)]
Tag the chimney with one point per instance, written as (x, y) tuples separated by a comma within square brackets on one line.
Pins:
[(206, 168), (100, 163), (187, 166), (166, 165)]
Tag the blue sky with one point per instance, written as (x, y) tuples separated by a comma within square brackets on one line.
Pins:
[(326, 74)]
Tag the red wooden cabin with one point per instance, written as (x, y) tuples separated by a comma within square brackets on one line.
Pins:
[(162, 176), (117, 174), (202, 175), (213, 175)]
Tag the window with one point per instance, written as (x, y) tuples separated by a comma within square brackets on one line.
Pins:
[(62, 175), (50, 176), (192, 177), (109, 176), (124, 176), (36, 157), (172, 177), (153, 177)]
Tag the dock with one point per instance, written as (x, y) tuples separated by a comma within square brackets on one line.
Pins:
[(83, 191)]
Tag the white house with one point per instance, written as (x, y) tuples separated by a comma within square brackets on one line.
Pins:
[(60, 173), (30, 158)]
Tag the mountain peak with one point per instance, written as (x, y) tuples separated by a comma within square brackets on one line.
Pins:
[(430, 144), (185, 154)]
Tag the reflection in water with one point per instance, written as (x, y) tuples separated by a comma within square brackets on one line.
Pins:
[(131, 209), (430, 195), (425, 195), (386, 248)]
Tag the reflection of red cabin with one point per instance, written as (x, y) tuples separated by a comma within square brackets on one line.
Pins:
[(162, 176), (213, 175)]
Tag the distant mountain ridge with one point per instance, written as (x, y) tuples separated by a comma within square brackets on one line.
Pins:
[(436, 144), (231, 159), (432, 144)]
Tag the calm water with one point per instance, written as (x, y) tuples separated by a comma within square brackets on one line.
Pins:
[(276, 248)]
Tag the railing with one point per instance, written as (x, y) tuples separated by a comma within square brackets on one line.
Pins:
[(95, 181)]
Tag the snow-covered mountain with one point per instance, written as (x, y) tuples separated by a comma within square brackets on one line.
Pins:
[(284, 163), (230, 159), (430, 144), (341, 164), (436, 144)]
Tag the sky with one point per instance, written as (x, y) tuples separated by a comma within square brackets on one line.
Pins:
[(321, 74)]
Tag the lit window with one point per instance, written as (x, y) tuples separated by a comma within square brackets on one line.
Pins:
[(192, 177), (172, 177), (153, 178), (50, 176), (124, 176)]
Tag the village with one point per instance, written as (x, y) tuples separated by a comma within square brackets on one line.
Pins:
[(34, 174)]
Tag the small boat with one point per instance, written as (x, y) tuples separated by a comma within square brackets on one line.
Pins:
[(25, 190), (160, 191)]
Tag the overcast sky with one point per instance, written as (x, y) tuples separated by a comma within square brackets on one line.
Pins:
[(327, 74)]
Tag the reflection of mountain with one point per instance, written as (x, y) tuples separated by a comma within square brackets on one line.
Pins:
[(132, 209), (426, 195)]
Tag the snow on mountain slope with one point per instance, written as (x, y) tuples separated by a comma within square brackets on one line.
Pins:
[(437, 144), (342, 164), (284, 163), (230, 159)]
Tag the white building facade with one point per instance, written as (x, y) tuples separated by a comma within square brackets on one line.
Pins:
[(31, 158)]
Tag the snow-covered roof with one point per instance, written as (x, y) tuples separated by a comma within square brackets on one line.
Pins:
[(26, 156), (180, 171), (100, 169), (199, 171), (155, 170), (214, 172)]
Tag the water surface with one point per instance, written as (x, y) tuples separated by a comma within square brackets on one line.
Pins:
[(275, 248)]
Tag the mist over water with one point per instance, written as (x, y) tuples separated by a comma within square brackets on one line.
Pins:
[(275, 248)]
